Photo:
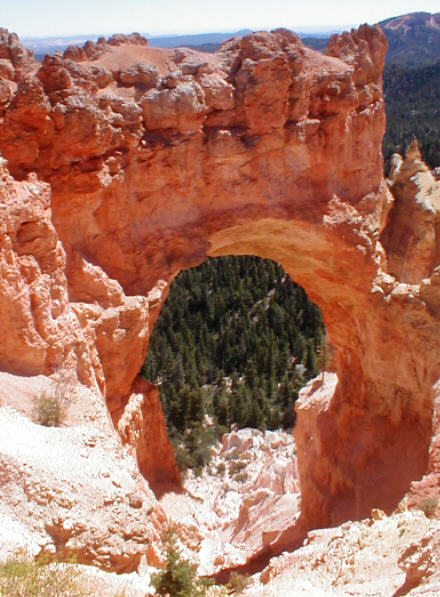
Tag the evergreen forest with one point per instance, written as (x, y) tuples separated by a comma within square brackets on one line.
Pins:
[(235, 341), (412, 96)]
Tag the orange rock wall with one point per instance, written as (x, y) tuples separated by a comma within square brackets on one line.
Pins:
[(158, 158), (141, 425)]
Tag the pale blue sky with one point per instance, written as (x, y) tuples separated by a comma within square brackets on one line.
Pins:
[(68, 17)]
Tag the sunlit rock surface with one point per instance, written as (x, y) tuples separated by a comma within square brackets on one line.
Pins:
[(126, 164), (241, 503)]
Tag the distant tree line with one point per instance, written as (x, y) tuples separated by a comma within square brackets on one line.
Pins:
[(412, 101)]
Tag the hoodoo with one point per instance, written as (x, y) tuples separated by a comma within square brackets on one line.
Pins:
[(124, 164)]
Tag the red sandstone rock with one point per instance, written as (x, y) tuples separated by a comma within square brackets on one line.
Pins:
[(142, 426), (410, 238), (21, 59), (266, 148)]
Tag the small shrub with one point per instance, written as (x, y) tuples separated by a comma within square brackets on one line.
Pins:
[(234, 455), (241, 477), (183, 457), (49, 410), (193, 450), (236, 466), (178, 577), (237, 582), (50, 406), (22, 577), (429, 505), (221, 468)]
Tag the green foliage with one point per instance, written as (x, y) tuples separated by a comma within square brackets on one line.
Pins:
[(323, 355), (49, 410), (241, 477), (412, 101), (178, 577), (193, 449), (22, 577), (227, 344)]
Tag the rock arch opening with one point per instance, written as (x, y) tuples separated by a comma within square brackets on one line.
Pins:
[(235, 341), (340, 471)]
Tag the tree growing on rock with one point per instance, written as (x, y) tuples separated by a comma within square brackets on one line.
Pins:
[(178, 577)]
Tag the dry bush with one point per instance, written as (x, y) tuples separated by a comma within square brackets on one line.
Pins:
[(240, 477), (50, 406), (48, 410), (236, 466), (237, 582), (22, 577), (429, 505)]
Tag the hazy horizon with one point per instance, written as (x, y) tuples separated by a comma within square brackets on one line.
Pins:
[(55, 18), (306, 30)]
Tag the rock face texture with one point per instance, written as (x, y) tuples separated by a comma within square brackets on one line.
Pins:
[(142, 426), (390, 556), (240, 505), (74, 490), (149, 160)]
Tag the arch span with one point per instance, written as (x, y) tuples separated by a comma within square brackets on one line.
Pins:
[(158, 158)]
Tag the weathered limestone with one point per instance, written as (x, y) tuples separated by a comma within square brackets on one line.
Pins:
[(156, 159)]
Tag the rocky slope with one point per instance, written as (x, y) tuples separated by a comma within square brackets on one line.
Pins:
[(241, 503), (74, 490), (126, 164), (413, 38), (382, 555)]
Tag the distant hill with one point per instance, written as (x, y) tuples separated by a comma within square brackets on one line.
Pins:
[(195, 39), (413, 38), (204, 42), (49, 45), (317, 43)]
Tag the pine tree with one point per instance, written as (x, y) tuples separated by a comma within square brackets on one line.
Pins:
[(178, 578)]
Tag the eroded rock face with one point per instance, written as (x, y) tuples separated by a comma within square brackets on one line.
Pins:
[(142, 426), (156, 159), (377, 556), (240, 505), (74, 490), (411, 237)]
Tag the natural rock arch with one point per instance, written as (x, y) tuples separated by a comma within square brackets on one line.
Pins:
[(158, 158)]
